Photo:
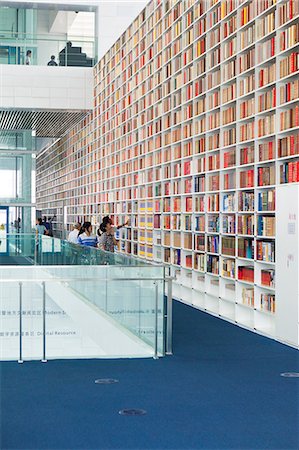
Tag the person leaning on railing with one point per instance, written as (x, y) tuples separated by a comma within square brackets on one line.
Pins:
[(106, 232), (85, 236)]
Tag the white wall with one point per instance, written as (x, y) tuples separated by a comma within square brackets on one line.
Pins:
[(39, 87), (113, 19), (287, 263)]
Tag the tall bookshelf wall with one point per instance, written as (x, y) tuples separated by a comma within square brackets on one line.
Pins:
[(195, 123)]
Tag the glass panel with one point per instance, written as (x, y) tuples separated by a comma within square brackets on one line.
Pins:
[(91, 311), (9, 320)]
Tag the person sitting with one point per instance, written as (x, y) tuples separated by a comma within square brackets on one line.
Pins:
[(52, 61)]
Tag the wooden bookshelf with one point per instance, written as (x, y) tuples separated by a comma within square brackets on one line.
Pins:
[(194, 125)]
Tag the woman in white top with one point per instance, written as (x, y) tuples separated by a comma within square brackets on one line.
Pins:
[(73, 236)]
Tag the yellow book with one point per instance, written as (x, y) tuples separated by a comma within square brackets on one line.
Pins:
[(223, 9)]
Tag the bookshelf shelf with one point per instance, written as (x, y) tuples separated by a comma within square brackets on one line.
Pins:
[(178, 141)]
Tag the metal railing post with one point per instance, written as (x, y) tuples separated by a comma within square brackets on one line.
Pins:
[(106, 291), (44, 322), (156, 320), (169, 317), (20, 360)]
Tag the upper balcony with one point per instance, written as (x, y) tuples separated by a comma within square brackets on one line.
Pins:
[(46, 57), (42, 50)]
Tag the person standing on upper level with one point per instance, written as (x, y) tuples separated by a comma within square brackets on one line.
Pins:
[(52, 61), (28, 58)]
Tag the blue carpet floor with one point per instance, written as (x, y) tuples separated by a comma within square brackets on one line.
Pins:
[(222, 389)]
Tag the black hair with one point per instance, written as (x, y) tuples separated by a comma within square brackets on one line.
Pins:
[(106, 220), (28, 52), (84, 227), (40, 222), (104, 224)]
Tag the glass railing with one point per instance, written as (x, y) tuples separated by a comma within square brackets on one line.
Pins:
[(52, 312), (37, 49), (63, 300), (34, 249)]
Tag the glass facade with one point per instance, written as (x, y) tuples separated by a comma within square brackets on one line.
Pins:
[(17, 175), (28, 30)]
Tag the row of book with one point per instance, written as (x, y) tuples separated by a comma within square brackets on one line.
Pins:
[(246, 273), (288, 11), (289, 65), (228, 246), (246, 84), (289, 37), (288, 145), (265, 251), (267, 75), (213, 223), (265, 25), (247, 37), (229, 138), (247, 178), (267, 100), (213, 244), (247, 155), (229, 268), (266, 125), (246, 248), (289, 118), (265, 226), (229, 180), (289, 172), (229, 158), (268, 302), (212, 264), (228, 224), (248, 296), (246, 224), (200, 243), (267, 151), (266, 200), (268, 278), (247, 108), (289, 92), (246, 201)]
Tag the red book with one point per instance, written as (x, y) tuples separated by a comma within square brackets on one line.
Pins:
[(295, 172), (291, 172), (271, 150), (261, 77), (272, 46), (288, 92)]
